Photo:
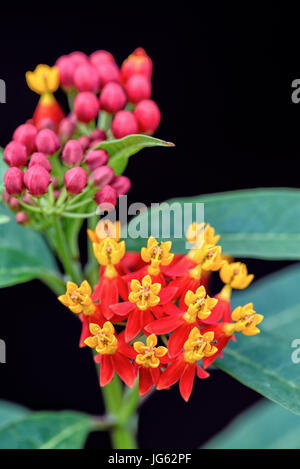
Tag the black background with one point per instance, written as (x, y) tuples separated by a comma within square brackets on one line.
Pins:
[(222, 78)]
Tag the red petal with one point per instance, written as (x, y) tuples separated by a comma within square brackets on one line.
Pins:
[(145, 381), (122, 309), (107, 293), (202, 374), (133, 325), (178, 338), (124, 348), (221, 310), (106, 370), (155, 373), (123, 289), (124, 368), (132, 261), (181, 267), (85, 330), (146, 318), (187, 381), (171, 374), (167, 294), (164, 325)]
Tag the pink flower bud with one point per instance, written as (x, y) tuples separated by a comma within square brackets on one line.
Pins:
[(66, 129), (72, 153), (84, 142), (5, 196), (101, 56), (47, 142), (66, 67), (57, 194), (46, 123), (26, 134), (76, 180), (37, 180), (40, 159), (78, 58), (102, 176), (22, 218), (27, 199), (112, 98), (15, 154), (86, 78), (148, 116), (86, 106), (106, 198), (124, 123), (107, 71), (96, 158), (98, 134), (14, 204), (55, 183), (138, 87), (14, 181), (137, 62), (122, 185)]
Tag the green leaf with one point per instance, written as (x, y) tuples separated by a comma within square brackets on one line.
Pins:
[(260, 223), (264, 362), (10, 412), (120, 150), (264, 426), (45, 430), (4, 219), (24, 255)]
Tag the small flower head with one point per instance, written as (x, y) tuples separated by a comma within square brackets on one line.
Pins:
[(149, 355), (145, 294), (236, 275), (105, 229), (246, 319), (78, 299), (148, 116), (157, 255), (208, 256), (199, 233), (137, 62), (199, 305), (198, 346), (123, 124), (43, 79), (109, 252), (103, 340)]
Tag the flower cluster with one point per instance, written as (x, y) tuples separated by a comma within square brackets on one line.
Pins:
[(162, 298), (55, 163)]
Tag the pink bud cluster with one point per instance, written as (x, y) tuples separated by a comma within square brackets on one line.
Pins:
[(102, 86)]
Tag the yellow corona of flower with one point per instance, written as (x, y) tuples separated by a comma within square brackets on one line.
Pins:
[(109, 253), (149, 355), (200, 233), (43, 79), (157, 254), (103, 340), (236, 275), (144, 294), (198, 346), (209, 257), (105, 229), (199, 305), (78, 299), (246, 319)]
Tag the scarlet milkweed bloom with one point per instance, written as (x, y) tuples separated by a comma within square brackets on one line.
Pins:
[(142, 307), (149, 359), (236, 275), (109, 253), (112, 352), (185, 367), (200, 306)]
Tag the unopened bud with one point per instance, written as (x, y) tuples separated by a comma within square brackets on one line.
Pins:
[(148, 116), (107, 72), (40, 159), (37, 180), (78, 58), (100, 57), (47, 142), (72, 153), (22, 218), (27, 199), (46, 123), (76, 180), (106, 198), (66, 128), (5, 196), (102, 176), (26, 134), (138, 87), (14, 204), (137, 62), (98, 134), (124, 123), (112, 98), (15, 154), (66, 67), (84, 142), (86, 106), (121, 184), (86, 78), (96, 158), (14, 181)]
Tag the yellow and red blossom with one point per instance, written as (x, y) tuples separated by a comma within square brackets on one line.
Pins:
[(198, 346), (149, 355), (109, 253), (246, 319), (200, 233), (236, 275), (105, 229), (157, 254), (78, 298), (145, 294), (199, 305)]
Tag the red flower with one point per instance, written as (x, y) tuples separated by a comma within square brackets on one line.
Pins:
[(112, 354)]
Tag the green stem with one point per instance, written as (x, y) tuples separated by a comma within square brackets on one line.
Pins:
[(71, 94), (104, 120), (77, 215), (92, 267), (55, 283), (71, 267)]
